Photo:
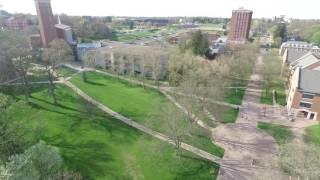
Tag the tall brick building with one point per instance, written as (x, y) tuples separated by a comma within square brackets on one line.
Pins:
[(240, 26), (50, 27), (46, 21)]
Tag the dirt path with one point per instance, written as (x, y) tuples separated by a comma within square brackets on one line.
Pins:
[(243, 141)]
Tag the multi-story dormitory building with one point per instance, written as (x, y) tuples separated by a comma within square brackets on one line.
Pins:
[(303, 60), (122, 58)]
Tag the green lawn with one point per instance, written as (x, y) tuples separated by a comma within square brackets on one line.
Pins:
[(65, 71), (235, 96), (281, 134), (223, 114), (99, 146), (139, 104), (312, 135), (135, 35), (38, 75), (211, 27), (266, 97), (230, 115)]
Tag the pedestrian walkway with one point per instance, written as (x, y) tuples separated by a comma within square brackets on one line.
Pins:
[(187, 147), (243, 141)]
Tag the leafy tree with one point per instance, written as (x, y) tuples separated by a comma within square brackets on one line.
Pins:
[(197, 42), (296, 160), (279, 31), (316, 38), (131, 25), (11, 133), (40, 161)]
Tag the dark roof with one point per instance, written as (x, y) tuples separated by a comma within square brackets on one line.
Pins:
[(294, 54), (309, 81)]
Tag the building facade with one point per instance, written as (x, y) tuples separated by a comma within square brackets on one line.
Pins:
[(304, 94), (240, 26), (46, 21), (65, 32)]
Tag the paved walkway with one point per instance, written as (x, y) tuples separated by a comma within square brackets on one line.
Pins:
[(243, 141), (142, 128)]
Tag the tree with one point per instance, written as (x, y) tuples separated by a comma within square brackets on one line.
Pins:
[(316, 38), (58, 52), (16, 49), (177, 125), (90, 59), (40, 161), (271, 71), (279, 31), (295, 160), (11, 133), (7, 71), (197, 42), (131, 25)]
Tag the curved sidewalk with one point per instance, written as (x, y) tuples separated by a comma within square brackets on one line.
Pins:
[(162, 137)]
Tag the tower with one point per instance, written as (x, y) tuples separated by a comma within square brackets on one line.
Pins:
[(46, 21), (240, 26)]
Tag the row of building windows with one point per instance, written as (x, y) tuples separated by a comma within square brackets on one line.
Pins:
[(305, 105)]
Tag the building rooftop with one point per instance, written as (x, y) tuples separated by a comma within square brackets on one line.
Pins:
[(89, 45), (306, 60), (62, 26), (294, 54), (242, 10), (309, 81)]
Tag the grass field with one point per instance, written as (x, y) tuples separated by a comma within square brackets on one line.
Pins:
[(312, 135), (280, 133), (267, 97), (235, 96), (99, 146), (223, 114), (65, 71), (139, 104), (135, 35), (211, 27)]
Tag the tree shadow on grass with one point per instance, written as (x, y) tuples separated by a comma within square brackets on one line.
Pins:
[(87, 157), (94, 83), (57, 105), (36, 106)]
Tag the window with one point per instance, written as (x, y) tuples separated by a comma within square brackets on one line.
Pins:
[(305, 105), (307, 96)]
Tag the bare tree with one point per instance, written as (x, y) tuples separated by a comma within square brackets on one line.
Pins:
[(7, 70), (15, 48), (92, 59), (59, 51), (177, 125), (271, 71)]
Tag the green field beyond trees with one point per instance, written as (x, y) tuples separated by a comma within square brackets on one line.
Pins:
[(98, 146)]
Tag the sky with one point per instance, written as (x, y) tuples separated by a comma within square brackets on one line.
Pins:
[(302, 9)]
